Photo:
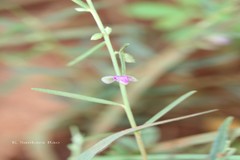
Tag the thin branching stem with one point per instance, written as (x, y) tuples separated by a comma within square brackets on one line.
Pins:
[(123, 90)]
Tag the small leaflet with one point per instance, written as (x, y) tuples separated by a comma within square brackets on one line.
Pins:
[(128, 58), (96, 36)]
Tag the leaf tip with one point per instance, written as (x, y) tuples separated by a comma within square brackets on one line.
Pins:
[(37, 89), (193, 91), (213, 110), (70, 64), (81, 10)]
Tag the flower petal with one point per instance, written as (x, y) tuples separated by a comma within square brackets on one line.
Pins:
[(123, 82), (107, 79), (132, 79)]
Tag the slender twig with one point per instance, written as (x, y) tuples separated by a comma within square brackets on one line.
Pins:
[(127, 107)]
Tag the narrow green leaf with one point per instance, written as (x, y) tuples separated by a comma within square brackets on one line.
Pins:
[(104, 143), (169, 107), (86, 54), (96, 36), (161, 156), (76, 96), (219, 143), (81, 3)]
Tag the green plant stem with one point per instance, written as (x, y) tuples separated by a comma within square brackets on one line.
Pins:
[(123, 90)]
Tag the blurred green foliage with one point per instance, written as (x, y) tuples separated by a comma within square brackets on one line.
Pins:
[(187, 19)]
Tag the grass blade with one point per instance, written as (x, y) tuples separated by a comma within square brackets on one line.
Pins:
[(77, 96), (104, 143), (86, 54), (169, 107), (221, 139), (162, 157)]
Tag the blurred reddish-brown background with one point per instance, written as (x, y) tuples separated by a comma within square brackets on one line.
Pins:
[(39, 37)]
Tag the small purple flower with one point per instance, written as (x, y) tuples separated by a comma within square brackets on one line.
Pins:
[(121, 79)]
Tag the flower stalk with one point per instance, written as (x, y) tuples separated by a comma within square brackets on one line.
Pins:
[(117, 70)]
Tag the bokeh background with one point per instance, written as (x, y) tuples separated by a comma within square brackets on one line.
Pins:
[(179, 46)]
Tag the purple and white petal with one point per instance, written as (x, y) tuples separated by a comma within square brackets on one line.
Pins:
[(122, 79), (123, 82), (132, 79), (107, 79), (125, 79)]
